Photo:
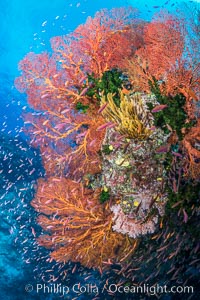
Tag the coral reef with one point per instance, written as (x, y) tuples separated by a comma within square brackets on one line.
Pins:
[(118, 130), (80, 227), (134, 173), (126, 225)]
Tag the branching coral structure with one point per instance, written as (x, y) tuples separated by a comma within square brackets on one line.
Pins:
[(105, 121), (79, 227)]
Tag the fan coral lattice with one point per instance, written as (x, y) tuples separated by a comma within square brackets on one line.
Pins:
[(79, 227)]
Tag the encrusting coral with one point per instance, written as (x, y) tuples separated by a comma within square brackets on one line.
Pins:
[(123, 223), (133, 169)]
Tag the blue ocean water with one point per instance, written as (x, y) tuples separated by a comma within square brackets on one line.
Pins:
[(28, 26)]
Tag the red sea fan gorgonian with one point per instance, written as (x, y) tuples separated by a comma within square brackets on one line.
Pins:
[(78, 228), (70, 140)]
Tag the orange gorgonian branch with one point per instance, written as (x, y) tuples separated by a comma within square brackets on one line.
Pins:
[(76, 227)]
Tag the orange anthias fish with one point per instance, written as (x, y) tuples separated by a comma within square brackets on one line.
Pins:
[(158, 108)]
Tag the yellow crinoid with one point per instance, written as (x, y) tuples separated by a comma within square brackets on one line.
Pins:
[(132, 118)]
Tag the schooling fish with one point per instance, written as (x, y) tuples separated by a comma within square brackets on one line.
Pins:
[(102, 107), (185, 216), (163, 149), (105, 126), (158, 108)]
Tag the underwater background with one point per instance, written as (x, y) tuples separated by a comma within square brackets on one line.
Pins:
[(28, 26)]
